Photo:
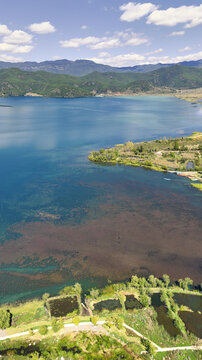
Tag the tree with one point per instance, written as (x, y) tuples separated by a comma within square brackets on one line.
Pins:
[(45, 297), (144, 299), (166, 279), (78, 291), (176, 146), (122, 299), (152, 280), (135, 281), (143, 282), (187, 282), (5, 319), (116, 287), (94, 293), (160, 283), (180, 282)]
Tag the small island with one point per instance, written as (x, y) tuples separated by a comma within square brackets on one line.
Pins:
[(182, 156)]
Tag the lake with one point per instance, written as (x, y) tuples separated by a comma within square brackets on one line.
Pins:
[(64, 219)]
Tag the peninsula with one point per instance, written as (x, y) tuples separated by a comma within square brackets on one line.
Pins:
[(180, 155)]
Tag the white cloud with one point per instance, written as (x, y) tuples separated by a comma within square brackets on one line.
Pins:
[(4, 30), (77, 42), (170, 60), (42, 28), (133, 59), (177, 33), (9, 58), (106, 44), (120, 60), (135, 40), (83, 27), (56, 57), (18, 37), (119, 39), (186, 48), (154, 52), (190, 15), (134, 11), (104, 54), (13, 48)]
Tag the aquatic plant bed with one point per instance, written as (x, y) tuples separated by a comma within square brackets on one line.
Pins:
[(111, 304), (61, 306), (132, 303)]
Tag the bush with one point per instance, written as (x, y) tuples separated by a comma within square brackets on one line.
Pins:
[(148, 163), (149, 347), (5, 319), (56, 325), (43, 330), (94, 320), (76, 320), (145, 300)]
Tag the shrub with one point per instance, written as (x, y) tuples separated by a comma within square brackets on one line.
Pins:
[(76, 320), (43, 330), (5, 319), (148, 163), (94, 320), (149, 347), (55, 325)]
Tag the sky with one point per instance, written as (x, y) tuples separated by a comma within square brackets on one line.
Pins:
[(112, 32)]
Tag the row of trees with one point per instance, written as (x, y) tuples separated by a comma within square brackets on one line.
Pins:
[(167, 299)]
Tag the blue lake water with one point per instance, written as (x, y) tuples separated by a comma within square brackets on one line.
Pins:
[(65, 219)]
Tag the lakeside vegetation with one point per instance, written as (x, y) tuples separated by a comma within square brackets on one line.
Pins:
[(194, 95), (182, 155), (135, 306), (15, 82)]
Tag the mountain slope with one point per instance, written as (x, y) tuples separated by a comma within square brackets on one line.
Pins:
[(15, 82), (84, 67)]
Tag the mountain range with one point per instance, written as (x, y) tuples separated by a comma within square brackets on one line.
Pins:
[(16, 82), (84, 67)]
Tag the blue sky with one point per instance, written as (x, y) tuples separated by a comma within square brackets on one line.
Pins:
[(113, 32)]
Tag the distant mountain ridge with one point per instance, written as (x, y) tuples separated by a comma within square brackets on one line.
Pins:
[(84, 67), (16, 82)]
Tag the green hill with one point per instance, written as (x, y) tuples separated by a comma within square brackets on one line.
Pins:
[(15, 82)]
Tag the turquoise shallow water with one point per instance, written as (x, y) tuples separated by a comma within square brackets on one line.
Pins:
[(63, 218)]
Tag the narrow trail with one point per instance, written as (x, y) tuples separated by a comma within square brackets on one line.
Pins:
[(90, 326), (160, 349)]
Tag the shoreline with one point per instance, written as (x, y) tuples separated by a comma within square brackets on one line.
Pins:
[(186, 95)]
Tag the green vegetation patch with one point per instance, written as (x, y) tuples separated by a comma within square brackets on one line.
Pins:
[(182, 155)]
